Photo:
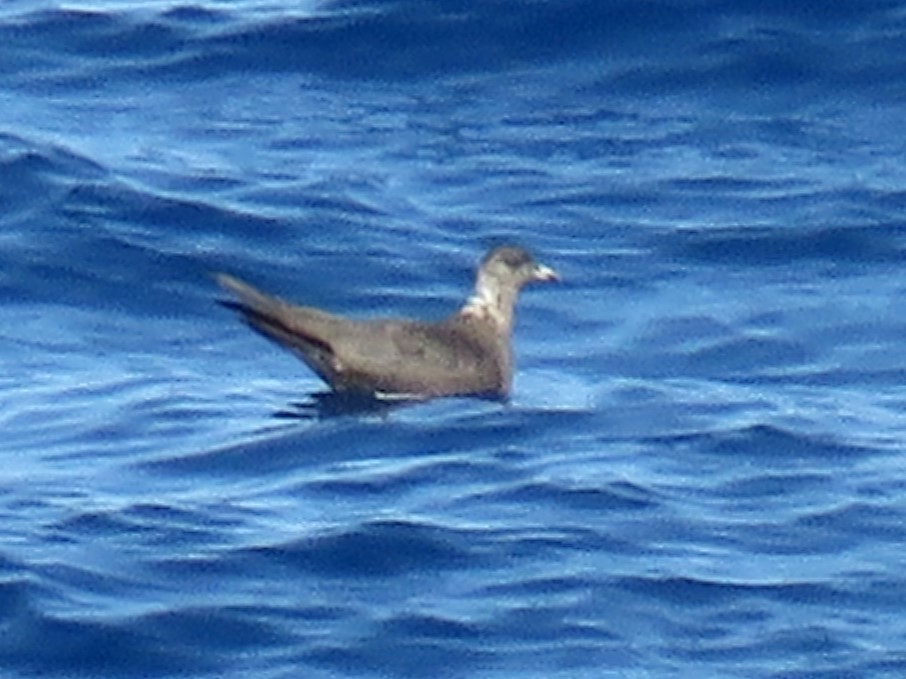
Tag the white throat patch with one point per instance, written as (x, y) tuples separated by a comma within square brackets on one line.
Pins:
[(482, 305)]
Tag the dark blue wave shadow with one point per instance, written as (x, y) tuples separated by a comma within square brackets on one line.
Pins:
[(760, 246), (379, 549), (39, 644), (768, 443)]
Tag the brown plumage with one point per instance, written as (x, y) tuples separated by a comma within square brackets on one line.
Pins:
[(466, 353)]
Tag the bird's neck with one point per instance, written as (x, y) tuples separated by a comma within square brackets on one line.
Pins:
[(492, 303)]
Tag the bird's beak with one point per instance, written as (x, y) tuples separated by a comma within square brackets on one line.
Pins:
[(544, 273)]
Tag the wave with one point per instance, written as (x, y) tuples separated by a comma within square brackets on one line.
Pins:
[(654, 46)]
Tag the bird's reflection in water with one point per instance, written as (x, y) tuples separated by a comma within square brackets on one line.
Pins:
[(327, 404)]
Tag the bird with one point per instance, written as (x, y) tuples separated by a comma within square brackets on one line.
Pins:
[(468, 353)]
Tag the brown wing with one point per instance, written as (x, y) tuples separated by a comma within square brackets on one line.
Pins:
[(407, 357)]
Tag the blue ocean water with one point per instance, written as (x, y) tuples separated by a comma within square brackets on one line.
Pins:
[(700, 472)]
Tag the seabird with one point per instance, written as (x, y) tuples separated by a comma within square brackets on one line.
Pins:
[(467, 353)]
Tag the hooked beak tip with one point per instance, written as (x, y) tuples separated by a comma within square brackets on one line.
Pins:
[(545, 273)]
